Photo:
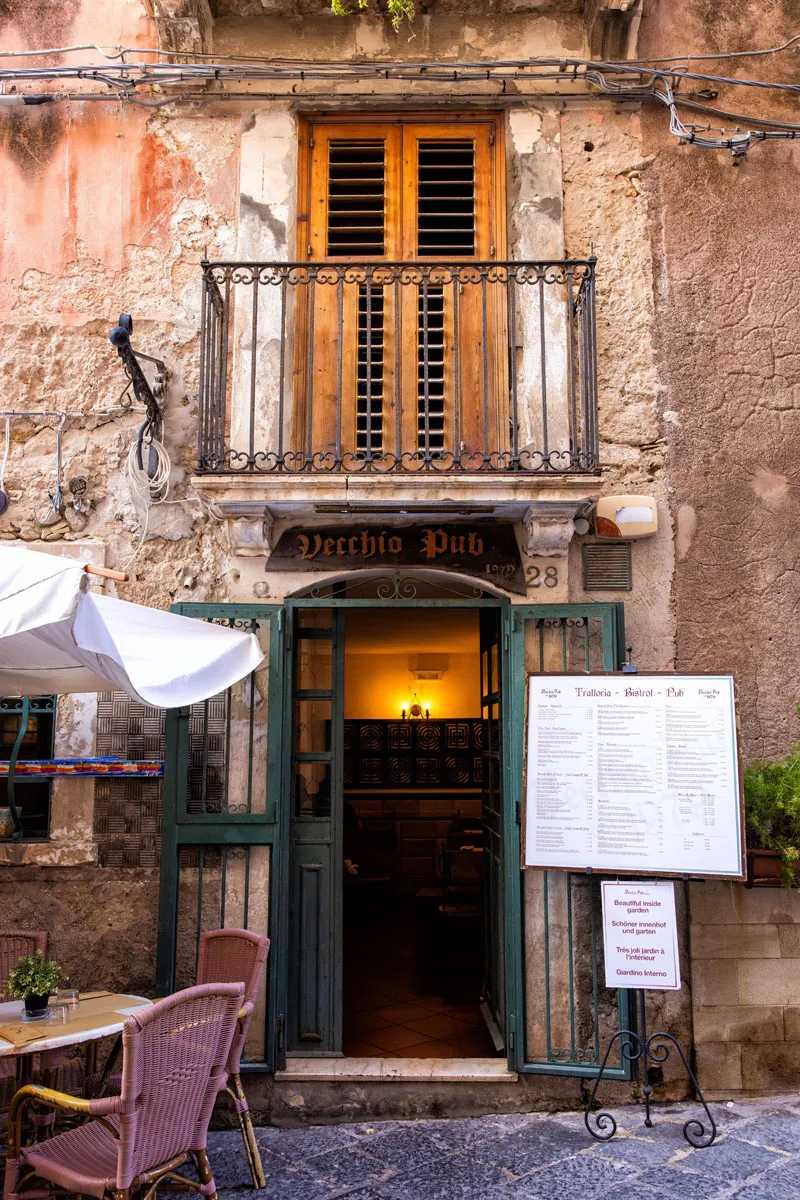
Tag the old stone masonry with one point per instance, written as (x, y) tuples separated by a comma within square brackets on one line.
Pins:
[(529, 1156)]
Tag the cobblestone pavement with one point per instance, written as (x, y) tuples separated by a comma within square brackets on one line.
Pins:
[(527, 1157)]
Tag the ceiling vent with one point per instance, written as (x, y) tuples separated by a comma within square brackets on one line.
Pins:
[(428, 666), (607, 567)]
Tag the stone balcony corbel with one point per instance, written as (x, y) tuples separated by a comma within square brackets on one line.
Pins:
[(249, 525), (550, 525)]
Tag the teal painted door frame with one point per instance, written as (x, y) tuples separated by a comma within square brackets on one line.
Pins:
[(182, 828), (273, 827), (313, 932), (559, 622)]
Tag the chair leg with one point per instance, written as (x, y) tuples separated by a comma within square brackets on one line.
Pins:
[(204, 1171), (248, 1133)]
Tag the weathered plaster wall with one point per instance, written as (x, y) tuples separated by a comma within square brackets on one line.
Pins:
[(605, 208), (107, 207), (102, 923), (726, 295), (115, 217)]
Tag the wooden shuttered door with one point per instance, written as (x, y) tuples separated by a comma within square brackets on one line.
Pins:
[(408, 361)]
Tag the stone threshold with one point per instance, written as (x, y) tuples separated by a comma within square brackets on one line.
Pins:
[(433, 1070)]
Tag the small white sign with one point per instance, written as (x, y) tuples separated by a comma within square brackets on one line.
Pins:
[(640, 935)]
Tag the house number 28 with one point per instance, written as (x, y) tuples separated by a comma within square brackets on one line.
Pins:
[(536, 578)]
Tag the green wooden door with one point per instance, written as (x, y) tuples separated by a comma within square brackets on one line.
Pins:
[(494, 987), (568, 1017), (314, 947), (220, 823)]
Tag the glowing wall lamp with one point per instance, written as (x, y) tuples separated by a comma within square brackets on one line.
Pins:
[(415, 710)]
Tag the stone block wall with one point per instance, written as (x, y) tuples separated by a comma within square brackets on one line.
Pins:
[(745, 946)]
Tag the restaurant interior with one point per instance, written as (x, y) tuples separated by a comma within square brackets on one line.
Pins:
[(412, 836)]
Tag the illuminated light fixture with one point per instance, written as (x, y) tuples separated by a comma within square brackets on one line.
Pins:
[(415, 711)]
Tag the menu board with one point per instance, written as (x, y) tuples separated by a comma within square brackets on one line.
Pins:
[(633, 773)]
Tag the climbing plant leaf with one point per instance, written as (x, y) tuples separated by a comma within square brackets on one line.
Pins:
[(398, 10)]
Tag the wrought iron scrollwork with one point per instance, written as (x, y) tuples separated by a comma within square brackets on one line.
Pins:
[(522, 314), (395, 586), (646, 1049)]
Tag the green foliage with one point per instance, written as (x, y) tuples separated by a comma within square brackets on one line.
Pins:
[(398, 10), (772, 809), (33, 976)]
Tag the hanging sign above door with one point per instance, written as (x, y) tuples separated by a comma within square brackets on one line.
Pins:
[(632, 773), (488, 550)]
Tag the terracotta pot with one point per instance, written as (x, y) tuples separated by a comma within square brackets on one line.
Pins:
[(765, 868)]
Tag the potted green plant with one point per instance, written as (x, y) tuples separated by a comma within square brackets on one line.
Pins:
[(32, 979), (772, 820)]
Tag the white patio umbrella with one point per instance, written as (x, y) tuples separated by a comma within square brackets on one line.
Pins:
[(56, 636)]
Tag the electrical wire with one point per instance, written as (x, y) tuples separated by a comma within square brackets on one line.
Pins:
[(148, 487), (610, 78), (120, 51), (727, 54), (125, 76)]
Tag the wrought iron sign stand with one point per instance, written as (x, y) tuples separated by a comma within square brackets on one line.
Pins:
[(646, 1049)]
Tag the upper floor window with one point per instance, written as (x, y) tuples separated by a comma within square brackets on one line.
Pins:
[(401, 190)]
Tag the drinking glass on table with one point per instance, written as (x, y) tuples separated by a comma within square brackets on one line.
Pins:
[(59, 1012), (67, 994)]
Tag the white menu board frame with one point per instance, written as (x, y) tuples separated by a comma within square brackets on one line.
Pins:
[(652, 829)]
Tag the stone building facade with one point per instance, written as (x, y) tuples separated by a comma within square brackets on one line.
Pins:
[(112, 200)]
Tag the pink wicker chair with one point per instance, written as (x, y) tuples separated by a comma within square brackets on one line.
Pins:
[(224, 956), (227, 956), (175, 1057)]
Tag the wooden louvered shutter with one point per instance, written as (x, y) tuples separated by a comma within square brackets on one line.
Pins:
[(401, 191)]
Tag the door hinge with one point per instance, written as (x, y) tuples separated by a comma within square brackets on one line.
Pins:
[(518, 807), (280, 1029), (280, 621), (491, 137)]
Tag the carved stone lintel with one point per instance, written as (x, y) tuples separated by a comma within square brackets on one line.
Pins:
[(249, 535), (549, 528)]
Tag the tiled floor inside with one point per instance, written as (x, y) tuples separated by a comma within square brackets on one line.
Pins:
[(397, 1005)]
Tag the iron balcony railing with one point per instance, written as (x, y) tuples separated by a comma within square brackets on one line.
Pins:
[(398, 367)]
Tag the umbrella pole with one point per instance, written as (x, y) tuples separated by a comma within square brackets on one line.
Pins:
[(107, 573), (12, 762)]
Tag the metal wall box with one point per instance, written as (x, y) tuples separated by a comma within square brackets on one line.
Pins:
[(607, 567)]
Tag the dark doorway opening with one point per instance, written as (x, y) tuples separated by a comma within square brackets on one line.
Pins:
[(413, 839)]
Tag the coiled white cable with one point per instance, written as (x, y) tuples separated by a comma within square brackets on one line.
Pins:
[(148, 489)]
